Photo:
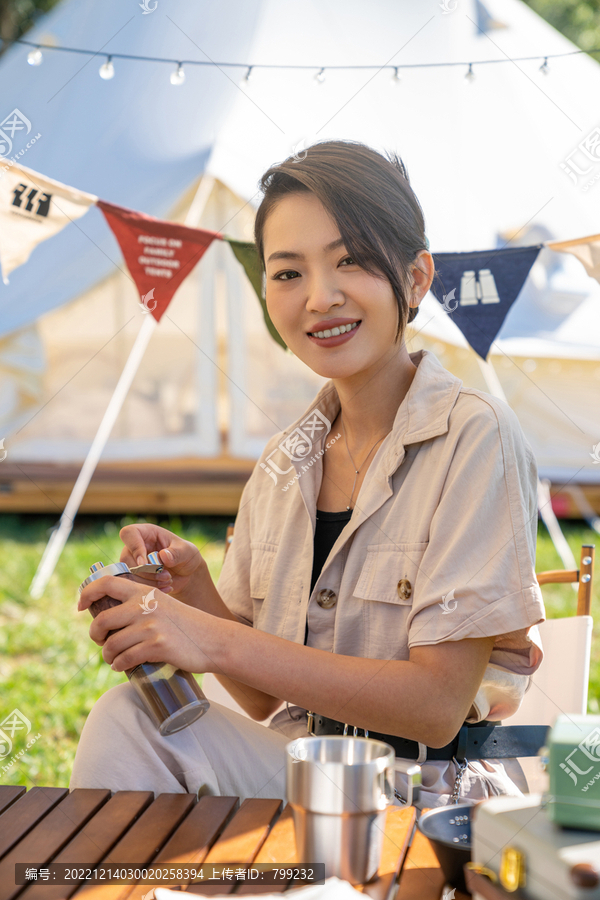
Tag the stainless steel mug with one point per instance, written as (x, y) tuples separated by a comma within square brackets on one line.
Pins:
[(172, 697), (339, 789)]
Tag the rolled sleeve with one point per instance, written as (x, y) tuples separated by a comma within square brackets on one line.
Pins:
[(481, 551)]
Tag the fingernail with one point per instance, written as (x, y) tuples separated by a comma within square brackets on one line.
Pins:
[(166, 590), (140, 560), (169, 555)]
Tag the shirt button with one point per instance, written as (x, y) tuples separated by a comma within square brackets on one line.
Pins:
[(404, 589), (326, 598)]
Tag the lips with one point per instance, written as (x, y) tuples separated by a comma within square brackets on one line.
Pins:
[(335, 334)]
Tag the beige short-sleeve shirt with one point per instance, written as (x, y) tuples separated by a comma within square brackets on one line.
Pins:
[(440, 546)]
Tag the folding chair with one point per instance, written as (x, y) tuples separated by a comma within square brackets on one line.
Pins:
[(560, 685)]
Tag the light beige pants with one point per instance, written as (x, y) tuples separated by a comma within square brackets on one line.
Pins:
[(223, 753), (228, 754)]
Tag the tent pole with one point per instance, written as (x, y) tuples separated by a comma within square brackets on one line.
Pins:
[(60, 535), (544, 506)]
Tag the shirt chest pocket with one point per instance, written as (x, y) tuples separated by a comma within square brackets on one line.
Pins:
[(386, 591), (389, 573)]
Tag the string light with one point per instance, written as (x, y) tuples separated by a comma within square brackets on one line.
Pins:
[(107, 70), (178, 77), (395, 77), (34, 57), (470, 74)]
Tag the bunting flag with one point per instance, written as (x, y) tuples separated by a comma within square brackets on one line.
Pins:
[(158, 254), (586, 249), (247, 255), (33, 208), (478, 289)]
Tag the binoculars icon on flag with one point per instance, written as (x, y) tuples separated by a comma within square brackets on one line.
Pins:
[(478, 287)]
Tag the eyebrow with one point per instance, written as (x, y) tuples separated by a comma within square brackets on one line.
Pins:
[(290, 254)]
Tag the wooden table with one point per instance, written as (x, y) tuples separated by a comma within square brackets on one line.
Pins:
[(89, 827)]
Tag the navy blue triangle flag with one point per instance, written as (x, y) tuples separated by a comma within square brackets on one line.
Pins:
[(478, 289)]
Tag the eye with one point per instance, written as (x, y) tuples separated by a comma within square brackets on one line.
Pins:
[(279, 275), (351, 260)]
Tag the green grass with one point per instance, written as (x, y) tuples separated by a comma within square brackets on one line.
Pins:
[(53, 673)]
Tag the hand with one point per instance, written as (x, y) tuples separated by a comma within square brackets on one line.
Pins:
[(182, 559), (172, 632)]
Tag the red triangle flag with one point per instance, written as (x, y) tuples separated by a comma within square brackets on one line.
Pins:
[(159, 254)]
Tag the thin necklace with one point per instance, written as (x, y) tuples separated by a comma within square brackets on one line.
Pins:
[(357, 471)]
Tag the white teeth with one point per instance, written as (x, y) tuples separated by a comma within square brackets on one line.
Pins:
[(334, 332)]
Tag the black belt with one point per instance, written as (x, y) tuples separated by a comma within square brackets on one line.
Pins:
[(483, 740)]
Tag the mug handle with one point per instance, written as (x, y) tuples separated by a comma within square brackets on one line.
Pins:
[(413, 773)]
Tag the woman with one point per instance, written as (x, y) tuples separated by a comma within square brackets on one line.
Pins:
[(408, 498)]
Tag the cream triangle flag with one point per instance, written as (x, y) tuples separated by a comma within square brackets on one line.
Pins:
[(32, 209), (586, 249)]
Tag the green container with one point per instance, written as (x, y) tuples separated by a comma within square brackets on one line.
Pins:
[(573, 796)]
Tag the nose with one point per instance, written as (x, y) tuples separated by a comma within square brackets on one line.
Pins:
[(323, 295)]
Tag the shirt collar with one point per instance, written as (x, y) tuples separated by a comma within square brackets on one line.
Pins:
[(423, 413)]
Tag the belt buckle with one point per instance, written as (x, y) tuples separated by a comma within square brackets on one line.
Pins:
[(310, 722)]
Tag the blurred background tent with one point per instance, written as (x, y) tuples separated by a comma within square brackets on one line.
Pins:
[(484, 157)]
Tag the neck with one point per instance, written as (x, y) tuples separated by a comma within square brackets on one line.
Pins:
[(370, 399)]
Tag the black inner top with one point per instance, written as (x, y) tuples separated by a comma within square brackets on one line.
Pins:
[(328, 528)]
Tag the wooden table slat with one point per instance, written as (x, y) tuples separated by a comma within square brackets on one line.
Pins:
[(25, 812), (191, 842), (141, 843), (279, 848), (399, 826), (241, 840), (421, 874), (95, 840), (49, 836), (8, 794)]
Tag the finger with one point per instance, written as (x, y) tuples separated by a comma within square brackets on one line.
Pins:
[(140, 539), (179, 556), (113, 619), (141, 652), (130, 646), (109, 586)]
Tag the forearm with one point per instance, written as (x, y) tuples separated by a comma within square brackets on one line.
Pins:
[(389, 696), (202, 594)]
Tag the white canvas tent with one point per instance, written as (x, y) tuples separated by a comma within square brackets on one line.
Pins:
[(484, 159)]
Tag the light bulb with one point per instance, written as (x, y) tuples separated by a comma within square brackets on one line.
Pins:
[(470, 76), (178, 77), (246, 79), (320, 76), (395, 79), (107, 70), (544, 67), (34, 57)]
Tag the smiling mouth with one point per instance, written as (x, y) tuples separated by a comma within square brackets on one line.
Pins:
[(333, 332)]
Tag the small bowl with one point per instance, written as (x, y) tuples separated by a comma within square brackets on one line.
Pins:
[(449, 830)]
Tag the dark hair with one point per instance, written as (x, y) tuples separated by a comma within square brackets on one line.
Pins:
[(371, 201)]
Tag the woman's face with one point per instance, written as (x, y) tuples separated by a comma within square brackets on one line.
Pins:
[(313, 285)]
